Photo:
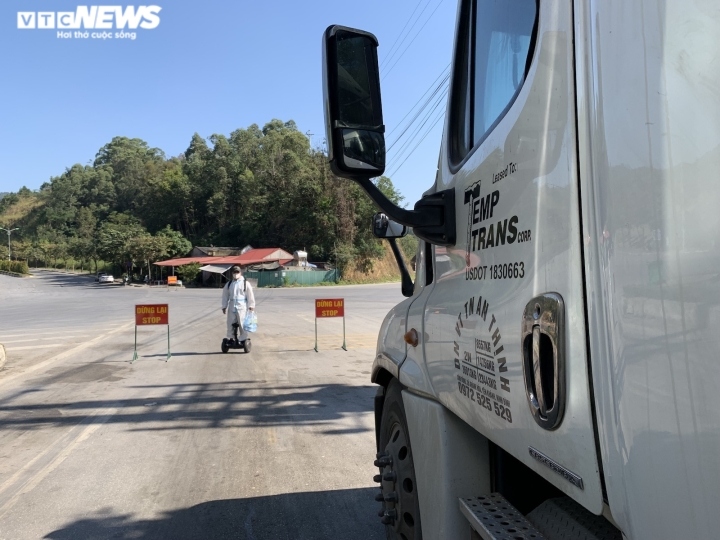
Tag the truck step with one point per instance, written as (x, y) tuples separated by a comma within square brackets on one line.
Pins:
[(564, 518), (492, 517)]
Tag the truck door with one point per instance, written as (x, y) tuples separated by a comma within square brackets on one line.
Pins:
[(414, 371), (504, 322)]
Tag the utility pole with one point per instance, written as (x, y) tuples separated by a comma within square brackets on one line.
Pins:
[(8, 233)]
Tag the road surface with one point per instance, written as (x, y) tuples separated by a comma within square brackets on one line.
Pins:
[(276, 444)]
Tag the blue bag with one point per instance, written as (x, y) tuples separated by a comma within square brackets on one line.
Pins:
[(250, 321)]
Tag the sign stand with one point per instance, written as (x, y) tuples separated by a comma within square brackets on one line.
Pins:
[(149, 314), (330, 307), (343, 345), (135, 354), (171, 280)]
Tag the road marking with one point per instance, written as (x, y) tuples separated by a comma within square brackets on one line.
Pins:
[(286, 338), (100, 415), (248, 524), (65, 354), (270, 343), (49, 335), (28, 347), (10, 481), (281, 438)]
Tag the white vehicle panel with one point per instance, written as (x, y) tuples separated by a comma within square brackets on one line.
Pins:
[(527, 169), (413, 372), (649, 135), (390, 338)]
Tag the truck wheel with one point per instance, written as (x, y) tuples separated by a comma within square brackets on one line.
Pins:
[(400, 511)]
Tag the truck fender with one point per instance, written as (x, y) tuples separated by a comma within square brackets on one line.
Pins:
[(451, 459)]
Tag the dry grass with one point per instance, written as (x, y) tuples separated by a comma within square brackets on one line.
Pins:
[(18, 211), (383, 270)]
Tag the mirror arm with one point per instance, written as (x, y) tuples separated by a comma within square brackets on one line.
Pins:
[(433, 218), (409, 218), (407, 285)]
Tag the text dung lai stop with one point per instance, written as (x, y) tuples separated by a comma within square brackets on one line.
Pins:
[(151, 314)]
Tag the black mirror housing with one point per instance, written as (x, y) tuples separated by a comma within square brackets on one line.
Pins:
[(384, 227), (353, 110), (355, 133)]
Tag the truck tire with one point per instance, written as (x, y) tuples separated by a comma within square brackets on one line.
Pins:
[(400, 512)]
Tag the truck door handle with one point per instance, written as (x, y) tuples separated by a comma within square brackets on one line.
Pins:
[(537, 375), (543, 346)]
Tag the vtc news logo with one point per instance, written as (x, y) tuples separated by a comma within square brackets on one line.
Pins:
[(91, 17)]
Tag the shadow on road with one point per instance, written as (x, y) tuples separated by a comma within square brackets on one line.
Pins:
[(349, 514), (58, 279), (164, 355), (242, 404)]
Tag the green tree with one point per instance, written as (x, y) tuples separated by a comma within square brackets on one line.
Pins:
[(133, 163), (178, 245), (113, 237), (385, 185), (77, 248), (188, 272), (144, 249), (263, 186)]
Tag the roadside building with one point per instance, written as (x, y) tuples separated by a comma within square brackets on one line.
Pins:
[(216, 266), (213, 251), (263, 267)]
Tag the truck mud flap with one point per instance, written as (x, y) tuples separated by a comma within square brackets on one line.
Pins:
[(378, 402)]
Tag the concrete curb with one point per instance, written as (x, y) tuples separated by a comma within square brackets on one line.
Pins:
[(13, 274), (3, 357)]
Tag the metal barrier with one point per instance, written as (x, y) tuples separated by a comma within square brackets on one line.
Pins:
[(279, 278)]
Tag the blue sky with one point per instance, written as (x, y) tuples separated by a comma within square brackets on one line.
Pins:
[(209, 67)]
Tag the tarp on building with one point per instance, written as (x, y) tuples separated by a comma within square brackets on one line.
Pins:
[(216, 268), (264, 266)]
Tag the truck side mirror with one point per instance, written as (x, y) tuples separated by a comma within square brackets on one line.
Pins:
[(384, 227), (353, 110), (355, 132)]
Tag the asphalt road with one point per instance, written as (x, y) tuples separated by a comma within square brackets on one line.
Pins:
[(276, 444)]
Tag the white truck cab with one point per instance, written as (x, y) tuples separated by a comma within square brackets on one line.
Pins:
[(552, 373)]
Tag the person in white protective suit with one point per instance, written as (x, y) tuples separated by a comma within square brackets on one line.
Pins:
[(237, 298)]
